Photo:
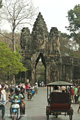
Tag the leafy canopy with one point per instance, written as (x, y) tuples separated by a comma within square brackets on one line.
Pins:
[(74, 24), (10, 61), (0, 3), (74, 19)]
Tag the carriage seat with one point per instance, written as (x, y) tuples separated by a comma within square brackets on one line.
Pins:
[(59, 101)]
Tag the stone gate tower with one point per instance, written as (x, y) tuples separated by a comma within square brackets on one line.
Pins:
[(41, 44)]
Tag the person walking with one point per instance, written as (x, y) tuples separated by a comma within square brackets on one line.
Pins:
[(27, 87), (76, 95), (6, 87), (79, 99), (36, 87), (72, 94), (3, 101)]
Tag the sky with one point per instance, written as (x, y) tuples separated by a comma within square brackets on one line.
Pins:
[(54, 12)]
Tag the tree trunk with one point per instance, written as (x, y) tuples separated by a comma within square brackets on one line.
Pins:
[(13, 40), (13, 45)]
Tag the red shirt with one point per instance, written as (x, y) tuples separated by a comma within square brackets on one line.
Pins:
[(72, 91), (27, 86)]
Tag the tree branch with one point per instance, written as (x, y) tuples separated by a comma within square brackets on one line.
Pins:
[(5, 36)]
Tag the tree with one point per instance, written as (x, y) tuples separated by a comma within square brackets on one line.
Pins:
[(8, 41), (74, 23), (10, 61), (17, 13), (0, 3), (74, 19), (74, 28), (67, 46)]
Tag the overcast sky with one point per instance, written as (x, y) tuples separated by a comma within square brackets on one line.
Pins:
[(55, 12)]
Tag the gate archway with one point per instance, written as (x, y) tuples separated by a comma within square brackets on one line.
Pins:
[(42, 72)]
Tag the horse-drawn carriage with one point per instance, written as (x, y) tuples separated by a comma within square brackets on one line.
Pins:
[(59, 102)]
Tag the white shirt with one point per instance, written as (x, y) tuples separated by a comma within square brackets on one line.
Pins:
[(0, 86), (3, 98)]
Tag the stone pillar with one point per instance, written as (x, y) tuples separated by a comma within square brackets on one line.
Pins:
[(63, 72), (47, 74), (60, 72)]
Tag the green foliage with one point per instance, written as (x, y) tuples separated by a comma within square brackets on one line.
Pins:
[(10, 61), (0, 3), (74, 19), (76, 37), (40, 72), (74, 23), (40, 78), (75, 53), (74, 28), (40, 69), (68, 47)]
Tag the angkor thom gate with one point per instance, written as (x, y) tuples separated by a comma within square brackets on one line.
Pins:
[(45, 45)]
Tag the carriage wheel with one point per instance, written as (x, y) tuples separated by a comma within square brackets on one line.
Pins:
[(56, 116), (70, 117), (47, 117)]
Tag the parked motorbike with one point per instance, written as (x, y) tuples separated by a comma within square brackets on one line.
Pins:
[(29, 95), (15, 109)]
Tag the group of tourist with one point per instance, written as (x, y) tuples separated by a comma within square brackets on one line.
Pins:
[(10, 90), (74, 91), (75, 94)]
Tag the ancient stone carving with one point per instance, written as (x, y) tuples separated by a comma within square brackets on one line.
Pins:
[(44, 43)]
